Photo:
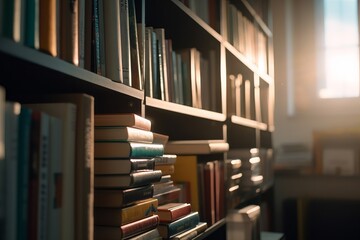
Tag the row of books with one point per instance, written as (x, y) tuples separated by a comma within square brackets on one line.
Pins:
[(182, 76), (247, 37), (46, 176), (100, 36)]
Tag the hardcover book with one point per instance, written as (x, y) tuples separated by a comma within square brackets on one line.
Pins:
[(123, 134), (165, 159), (166, 169), (172, 211), (122, 216), (168, 230), (134, 179), (192, 232), (126, 119), (116, 198), (196, 147), (126, 231), (127, 150), (123, 166)]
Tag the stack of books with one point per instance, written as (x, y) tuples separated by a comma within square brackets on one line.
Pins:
[(177, 221), (125, 171)]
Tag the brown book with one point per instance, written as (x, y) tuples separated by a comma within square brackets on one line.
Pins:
[(122, 216), (123, 119), (69, 43), (48, 18), (196, 146), (123, 166), (166, 169), (172, 211), (209, 192), (123, 134), (122, 197), (127, 230)]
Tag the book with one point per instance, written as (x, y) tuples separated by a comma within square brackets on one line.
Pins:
[(196, 146), (148, 62), (121, 216), (127, 230), (168, 230), (84, 155), (165, 159), (209, 193), (112, 38), (152, 234), (125, 41), (23, 171), (67, 113), (161, 187), (160, 138), (166, 169), (47, 28), (127, 180), (12, 112), (162, 61), (129, 134), (173, 211), (127, 150), (171, 194), (123, 166), (192, 232), (69, 50), (122, 197), (126, 119), (32, 23), (186, 171)]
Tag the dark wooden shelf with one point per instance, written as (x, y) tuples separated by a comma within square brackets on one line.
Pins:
[(210, 230)]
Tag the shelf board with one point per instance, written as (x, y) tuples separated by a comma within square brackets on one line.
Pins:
[(248, 122), (198, 20), (186, 110), (264, 76), (210, 230), (55, 64)]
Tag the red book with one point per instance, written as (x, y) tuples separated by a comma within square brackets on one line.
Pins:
[(173, 211)]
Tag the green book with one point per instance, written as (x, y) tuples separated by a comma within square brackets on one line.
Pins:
[(168, 230), (107, 149)]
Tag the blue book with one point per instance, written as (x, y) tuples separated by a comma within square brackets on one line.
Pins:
[(169, 230)]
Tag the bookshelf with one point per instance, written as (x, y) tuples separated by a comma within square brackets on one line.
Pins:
[(242, 117)]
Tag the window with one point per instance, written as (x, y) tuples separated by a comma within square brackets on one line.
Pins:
[(339, 58)]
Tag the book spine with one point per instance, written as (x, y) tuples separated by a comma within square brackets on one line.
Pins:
[(130, 196), (23, 171), (142, 164), (138, 211), (152, 234), (125, 41), (187, 222), (168, 196), (179, 212), (143, 225), (47, 29), (139, 178), (146, 150), (32, 24)]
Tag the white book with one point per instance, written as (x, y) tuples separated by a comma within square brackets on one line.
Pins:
[(12, 112), (67, 113), (113, 53)]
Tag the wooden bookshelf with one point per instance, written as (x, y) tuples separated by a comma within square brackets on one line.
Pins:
[(27, 71)]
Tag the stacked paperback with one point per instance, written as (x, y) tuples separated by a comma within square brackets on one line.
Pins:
[(125, 152)]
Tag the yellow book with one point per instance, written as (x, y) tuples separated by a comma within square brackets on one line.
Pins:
[(166, 169), (186, 171)]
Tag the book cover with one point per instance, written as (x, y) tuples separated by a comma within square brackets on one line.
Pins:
[(112, 38), (126, 231), (129, 134), (122, 197), (134, 179), (186, 171), (172, 211), (160, 138), (152, 234), (121, 216), (161, 187), (48, 24), (168, 230), (192, 232), (67, 113), (127, 150), (123, 166), (125, 119), (171, 194), (196, 146)]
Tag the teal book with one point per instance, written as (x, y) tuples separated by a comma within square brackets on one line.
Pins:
[(169, 230), (32, 24), (107, 149), (23, 171)]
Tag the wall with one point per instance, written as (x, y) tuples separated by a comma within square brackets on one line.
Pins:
[(295, 78)]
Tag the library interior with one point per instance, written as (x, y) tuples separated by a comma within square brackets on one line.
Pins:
[(179, 119)]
